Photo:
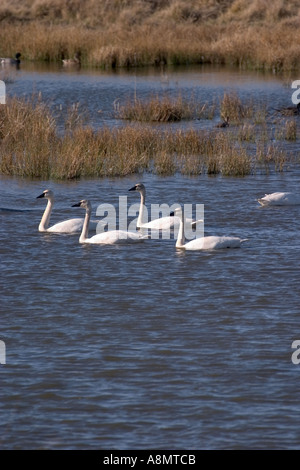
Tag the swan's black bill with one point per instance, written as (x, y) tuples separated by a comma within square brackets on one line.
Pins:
[(76, 205), (41, 195), (132, 189)]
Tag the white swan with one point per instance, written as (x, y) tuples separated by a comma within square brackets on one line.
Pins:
[(163, 223), (108, 238), (67, 226), (279, 199), (204, 243)]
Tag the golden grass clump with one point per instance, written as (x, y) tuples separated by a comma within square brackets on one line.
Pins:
[(272, 156), (163, 109), (247, 132), (291, 130), (226, 158), (28, 134), (232, 107), (155, 110)]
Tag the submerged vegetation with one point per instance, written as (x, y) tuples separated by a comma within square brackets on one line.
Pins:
[(118, 33), (31, 145)]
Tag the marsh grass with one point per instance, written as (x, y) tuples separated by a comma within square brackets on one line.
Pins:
[(233, 108), (28, 134), (163, 109), (138, 32), (30, 145), (272, 157), (291, 130), (247, 133)]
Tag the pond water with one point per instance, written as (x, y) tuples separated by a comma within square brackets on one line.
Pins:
[(146, 346), (99, 92)]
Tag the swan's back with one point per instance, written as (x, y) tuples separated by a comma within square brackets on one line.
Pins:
[(114, 237), (213, 243), (279, 199), (67, 226), (164, 223)]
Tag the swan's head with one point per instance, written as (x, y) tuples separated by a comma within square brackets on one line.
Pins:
[(48, 194), (83, 203), (177, 212), (138, 187)]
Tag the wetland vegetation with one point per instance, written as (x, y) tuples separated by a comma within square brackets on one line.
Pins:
[(136, 33)]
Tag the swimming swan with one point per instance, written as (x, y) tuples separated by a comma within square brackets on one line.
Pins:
[(163, 223), (67, 226), (111, 237), (204, 243), (279, 199)]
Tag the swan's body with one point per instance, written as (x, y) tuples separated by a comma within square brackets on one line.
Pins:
[(163, 223), (111, 237), (67, 226), (11, 61), (205, 243), (279, 199)]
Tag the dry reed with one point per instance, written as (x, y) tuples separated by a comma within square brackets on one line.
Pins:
[(139, 32), (163, 109), (31, 145)]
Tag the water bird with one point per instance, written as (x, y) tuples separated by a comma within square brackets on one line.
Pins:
[(224, 123), (75, 61), (204, 243), (11, 61), (290, 110), (111, 237), (279, 199), (67, 226), (163, 223)]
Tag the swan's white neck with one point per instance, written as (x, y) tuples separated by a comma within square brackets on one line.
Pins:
[(85, 228), (180, 237), (140, 220), (44, 223)]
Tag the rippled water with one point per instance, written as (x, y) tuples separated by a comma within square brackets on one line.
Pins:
[(145, 346)]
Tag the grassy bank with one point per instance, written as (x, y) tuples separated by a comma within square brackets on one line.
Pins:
[(120, 33), (31, 146)]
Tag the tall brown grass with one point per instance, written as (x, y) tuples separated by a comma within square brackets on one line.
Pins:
[(163, 109), (32, 146), (128, 33)]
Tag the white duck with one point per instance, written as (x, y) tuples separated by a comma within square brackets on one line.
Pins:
[(279, 199), (163, 223), (67, 226), (204, 243), (111, 237)]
